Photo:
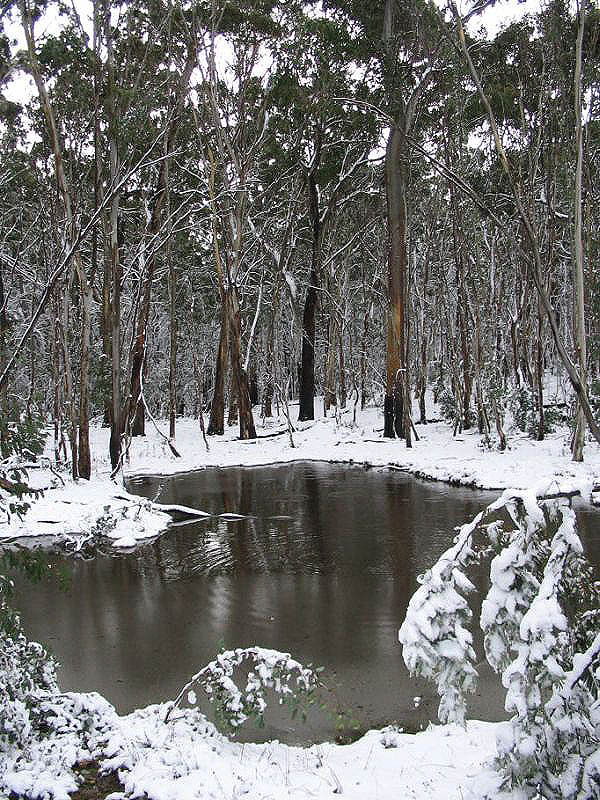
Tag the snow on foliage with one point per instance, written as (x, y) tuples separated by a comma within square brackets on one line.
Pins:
[(269, 669), (437, 643), (533, 622), (43, 733)]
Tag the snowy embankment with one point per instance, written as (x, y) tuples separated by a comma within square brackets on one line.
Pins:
[(81, 510), (187, 759)]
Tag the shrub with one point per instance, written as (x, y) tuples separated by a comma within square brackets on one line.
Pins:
[(269, 669), (20, 441), (525, 413), (447, 404)]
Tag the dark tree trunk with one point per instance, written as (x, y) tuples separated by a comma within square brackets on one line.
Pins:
[(216, 422), (247, 429), (307, 369), (254, 396), (172, 342)]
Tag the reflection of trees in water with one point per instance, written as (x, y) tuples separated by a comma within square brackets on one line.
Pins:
[(318, 555), (342, 520)]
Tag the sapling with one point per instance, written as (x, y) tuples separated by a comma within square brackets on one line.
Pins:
[(268, 669)]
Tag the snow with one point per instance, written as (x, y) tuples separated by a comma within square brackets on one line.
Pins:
[(461, 460), (76, 508), (187, 759), (382, 764)]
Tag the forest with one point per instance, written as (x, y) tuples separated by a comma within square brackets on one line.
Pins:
[(299, 350), (214, 206)]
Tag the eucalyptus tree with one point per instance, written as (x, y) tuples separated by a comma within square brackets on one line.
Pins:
[(401, 43), (175, 68), (232, 131), (24, 205), (329, 140), (531, 232), (69, 134)]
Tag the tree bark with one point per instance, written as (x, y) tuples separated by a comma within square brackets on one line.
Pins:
[(172, 339), (397, 267), (580, 343), (84, 458), (307, 368), (247, 428), (216, 422)]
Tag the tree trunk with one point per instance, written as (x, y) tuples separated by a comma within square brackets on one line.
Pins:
[(247, 429), (105, 320), (342, 371), (330, 388), (216, 422), (397, 267), (172, 340), (68, 377), (84, 456), (116, 424), (580, 343), (4, 443), (539, 373), (307, 369), (69, 236)]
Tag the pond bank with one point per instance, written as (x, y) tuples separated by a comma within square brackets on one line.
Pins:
[(76, 509)]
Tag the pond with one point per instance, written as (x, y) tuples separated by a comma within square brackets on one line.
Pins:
[(322, 565)]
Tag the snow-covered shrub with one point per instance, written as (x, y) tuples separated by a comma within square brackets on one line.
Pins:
[(448, 405), (268, 669), (437, 642), (20, 442), (26, 674), (539, 621)]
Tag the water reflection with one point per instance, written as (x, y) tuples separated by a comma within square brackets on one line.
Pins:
[(322, 565)]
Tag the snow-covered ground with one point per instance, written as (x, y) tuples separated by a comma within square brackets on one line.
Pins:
[(187, 759), (437, 455), (82, 509)]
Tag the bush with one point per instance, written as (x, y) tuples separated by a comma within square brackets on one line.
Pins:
[(28, 674), (526, 416), (26, 670), (539, 621), (447, 404), (20, 441), (269, 669)]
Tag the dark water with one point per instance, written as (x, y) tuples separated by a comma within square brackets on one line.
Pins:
[(323, 567)]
